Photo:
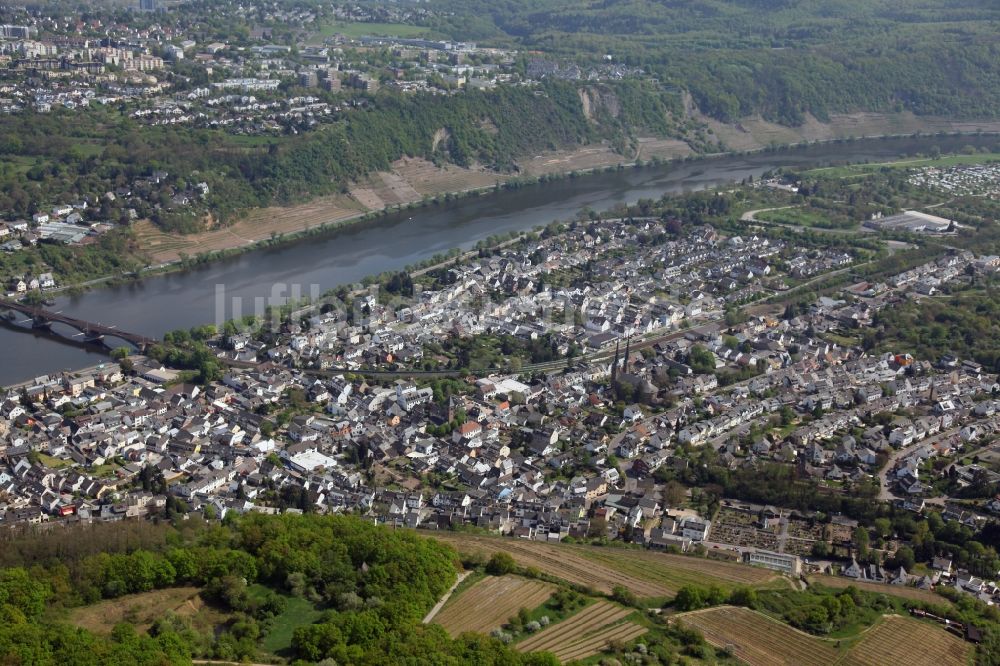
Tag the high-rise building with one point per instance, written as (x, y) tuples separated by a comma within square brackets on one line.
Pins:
[(149, 5)]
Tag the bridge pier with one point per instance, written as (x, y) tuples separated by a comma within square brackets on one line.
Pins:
[(90, 332)]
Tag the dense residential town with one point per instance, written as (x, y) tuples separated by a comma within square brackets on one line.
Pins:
[(294, 72), (645, 354), (971, 179), (165, 77), (531, 332), (568, 385)]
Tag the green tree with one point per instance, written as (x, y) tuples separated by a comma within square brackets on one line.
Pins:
[(18, 588), (743, 596), (861, 541), (689, 598)]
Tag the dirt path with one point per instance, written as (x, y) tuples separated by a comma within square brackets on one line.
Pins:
[(447, 595)]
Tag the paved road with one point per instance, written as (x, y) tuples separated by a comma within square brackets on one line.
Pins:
[(751, 216)]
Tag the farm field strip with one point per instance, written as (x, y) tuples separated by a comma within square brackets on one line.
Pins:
[(576, 628), (258, 225), (904, 640), (759, 640), (561, 562), (593, 616), (621, 632), (644, 573), (677, 570), (739, 573), (486, 547), (556, 561), (670, 580), (490, 602), (903, 591)]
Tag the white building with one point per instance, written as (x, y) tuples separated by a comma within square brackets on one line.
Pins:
[(788, 564)]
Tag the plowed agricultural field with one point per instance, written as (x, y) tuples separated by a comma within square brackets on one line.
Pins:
[(914, 593), (904, 640), (586, 633), (491, 602), (758, 640), (676, 571), (646, 574), (762, 641)]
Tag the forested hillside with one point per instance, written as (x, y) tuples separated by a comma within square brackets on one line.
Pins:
[(372, 585), (780, 59), (786, 61), (85, 155)]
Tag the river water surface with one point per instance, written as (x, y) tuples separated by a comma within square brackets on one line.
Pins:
[(184, 299)]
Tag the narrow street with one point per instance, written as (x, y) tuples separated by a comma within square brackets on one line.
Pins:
[(884, 492)]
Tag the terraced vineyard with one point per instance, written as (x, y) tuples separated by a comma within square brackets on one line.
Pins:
[(904, 640), (429, 179), (645, 574), (586, 633), (758, 640), (557, 561), (490, 602)]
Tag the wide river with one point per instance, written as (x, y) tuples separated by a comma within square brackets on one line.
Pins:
[(184, 299)]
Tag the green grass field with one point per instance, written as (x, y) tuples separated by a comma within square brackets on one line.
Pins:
[(807, 217), (51, 462), (298, 613), (105, 470), (842, 340)]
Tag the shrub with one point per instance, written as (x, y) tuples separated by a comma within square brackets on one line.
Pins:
[(500, 564), (623, 596)]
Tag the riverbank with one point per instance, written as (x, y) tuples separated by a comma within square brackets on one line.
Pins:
[(414, 184), (755, 133), (85, 370), (230, 288)]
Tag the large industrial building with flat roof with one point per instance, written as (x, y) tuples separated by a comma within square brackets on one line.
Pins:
[(913, 221)]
